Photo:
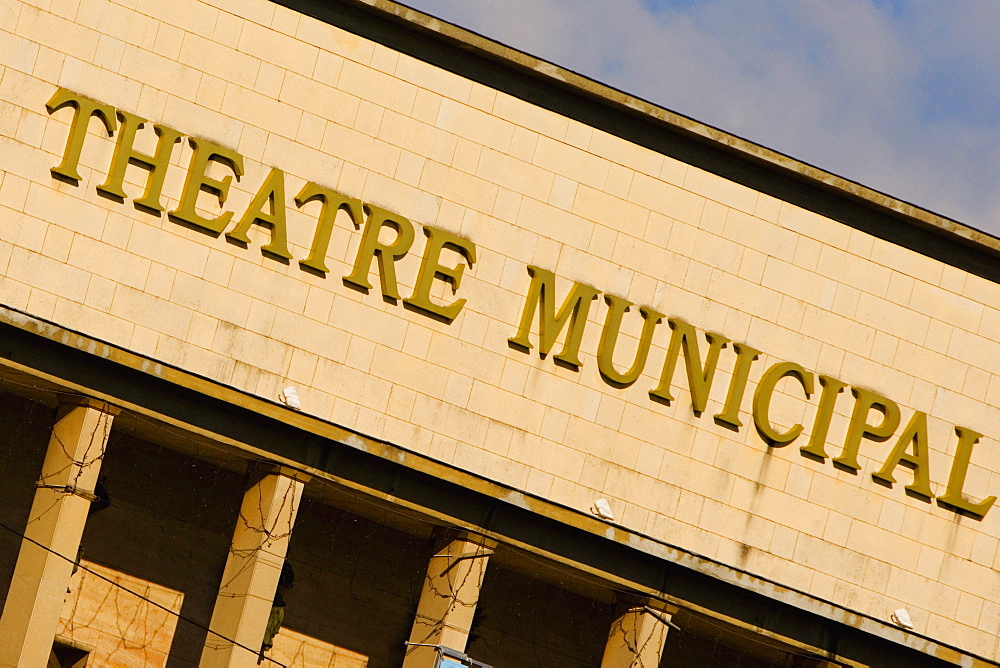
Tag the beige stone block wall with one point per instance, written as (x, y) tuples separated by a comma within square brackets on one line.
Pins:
[(527, 187), (297, 650), (124, 620)]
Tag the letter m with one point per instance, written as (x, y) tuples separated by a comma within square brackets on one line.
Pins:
[(574, 311)]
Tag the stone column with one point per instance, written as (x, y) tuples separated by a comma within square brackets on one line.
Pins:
[(638, 635), (250, 579), (63, 496), (449, 597)]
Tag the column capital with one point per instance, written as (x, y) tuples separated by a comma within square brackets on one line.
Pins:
[(444, 535), (84, 401), (660, 606), (274, 468)]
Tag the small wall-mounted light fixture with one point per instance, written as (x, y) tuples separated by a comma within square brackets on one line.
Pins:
[(902, 618), (290, 397), (603, 510)]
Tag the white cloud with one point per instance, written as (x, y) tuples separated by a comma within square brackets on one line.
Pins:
[(900, 96)]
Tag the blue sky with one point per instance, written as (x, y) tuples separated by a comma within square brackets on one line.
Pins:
[(900, 95)]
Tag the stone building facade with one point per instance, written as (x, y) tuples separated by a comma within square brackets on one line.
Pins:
[(334, 335)]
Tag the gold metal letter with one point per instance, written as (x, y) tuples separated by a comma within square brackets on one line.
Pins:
[(83, 108), (762, 401), (954, 499), (272, 191), (609, 339), (155, 164), (371, 247), (574, 310), (430, 268), (332, 203), (745, 356), (205, 152), (824, 413), (916, 433), (859, 427), (699, 377)]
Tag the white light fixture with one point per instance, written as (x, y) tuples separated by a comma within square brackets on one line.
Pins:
[(603, 510), (902, 618), (290, 397)]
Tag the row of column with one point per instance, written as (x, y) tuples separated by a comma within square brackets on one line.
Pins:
[(253, 569)]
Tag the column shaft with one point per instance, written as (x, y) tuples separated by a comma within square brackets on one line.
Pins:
[(52, 536), (253, 567), (638, 635), (449, 597)]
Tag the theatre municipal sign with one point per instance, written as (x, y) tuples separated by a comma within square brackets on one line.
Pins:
[(445, 257)]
